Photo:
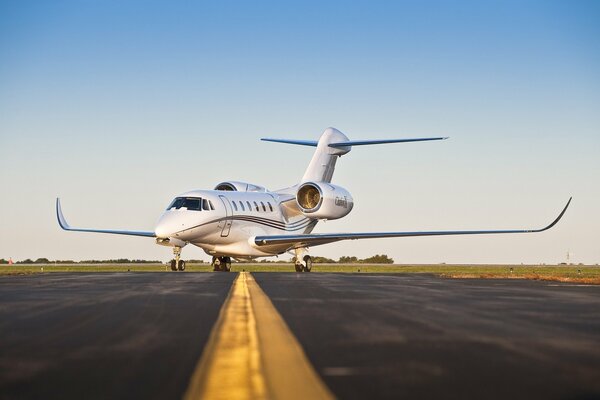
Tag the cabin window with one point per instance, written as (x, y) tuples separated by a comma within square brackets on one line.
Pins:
[(256, 206), (249, 206), (211, 205), (190, 203), (263, 206), (270, 207), (234, 205), (242, 206)]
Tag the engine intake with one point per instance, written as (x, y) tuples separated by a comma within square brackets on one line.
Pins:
[(323, 200), (309, 197)]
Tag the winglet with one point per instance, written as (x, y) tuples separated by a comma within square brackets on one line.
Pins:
[(61, 218), (557, 218)]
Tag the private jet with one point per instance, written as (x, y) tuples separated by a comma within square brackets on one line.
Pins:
[(244, 221)]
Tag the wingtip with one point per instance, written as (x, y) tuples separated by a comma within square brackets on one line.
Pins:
[(60, 217), (559, 216)]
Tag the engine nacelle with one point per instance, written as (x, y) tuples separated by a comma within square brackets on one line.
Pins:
[(323, 200), (234, 186)]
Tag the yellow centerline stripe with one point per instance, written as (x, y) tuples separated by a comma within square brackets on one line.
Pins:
[(230, 365), (252, 354)]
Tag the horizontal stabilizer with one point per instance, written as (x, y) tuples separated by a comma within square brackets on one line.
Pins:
[(63, 224), (312, 143), (382, 141)]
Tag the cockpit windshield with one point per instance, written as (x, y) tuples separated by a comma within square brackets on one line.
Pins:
[(190, 203)]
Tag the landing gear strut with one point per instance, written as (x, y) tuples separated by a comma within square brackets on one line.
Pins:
[(222, 264), (177, 264), (303, 261)]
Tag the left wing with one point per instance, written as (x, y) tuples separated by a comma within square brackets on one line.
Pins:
[(295, 241), (63, 224)]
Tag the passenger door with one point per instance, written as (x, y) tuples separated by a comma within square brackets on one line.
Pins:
[(227, 222)]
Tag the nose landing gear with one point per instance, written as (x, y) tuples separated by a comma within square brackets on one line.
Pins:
[(177, 264), (222, 264)]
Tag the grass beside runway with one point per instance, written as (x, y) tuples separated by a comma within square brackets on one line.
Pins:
[(564, 273)]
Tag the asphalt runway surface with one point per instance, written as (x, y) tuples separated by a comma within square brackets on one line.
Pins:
[(422, 337), (101, 336), (140, 335)]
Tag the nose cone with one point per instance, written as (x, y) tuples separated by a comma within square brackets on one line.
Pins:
[(161, 231), (168, 225)]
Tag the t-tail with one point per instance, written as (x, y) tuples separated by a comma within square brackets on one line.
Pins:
[(331, 145)]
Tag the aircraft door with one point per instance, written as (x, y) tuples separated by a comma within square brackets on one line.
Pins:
[(227, 222)]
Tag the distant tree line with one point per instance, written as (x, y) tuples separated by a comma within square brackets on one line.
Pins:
[(47, 261), (376, 259), (267, 260)]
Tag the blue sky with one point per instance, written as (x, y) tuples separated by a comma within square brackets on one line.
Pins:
[(118, 107)]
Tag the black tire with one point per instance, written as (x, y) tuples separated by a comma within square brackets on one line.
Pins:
[(181, 265), (298, 267), (226, 264), (307, 264), (173, 265), (216, 264)]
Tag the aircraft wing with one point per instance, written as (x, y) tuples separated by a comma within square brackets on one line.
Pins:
[(296, 241), (63, 224)]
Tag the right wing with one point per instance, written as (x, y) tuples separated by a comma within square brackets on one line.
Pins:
[(63, 224), (296, 241)]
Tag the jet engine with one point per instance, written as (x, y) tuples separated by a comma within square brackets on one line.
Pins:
[(323, 200), (234, 186)]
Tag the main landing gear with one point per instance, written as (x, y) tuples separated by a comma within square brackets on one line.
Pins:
[(177, 264), (303, 261), (222, 264)]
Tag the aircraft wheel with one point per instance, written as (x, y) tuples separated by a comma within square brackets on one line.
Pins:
[(173, 265), (226, 264), (298, 267), (216, 263), (307, 264), (181, 265)]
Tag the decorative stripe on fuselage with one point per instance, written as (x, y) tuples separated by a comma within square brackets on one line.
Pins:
[(295, 226)]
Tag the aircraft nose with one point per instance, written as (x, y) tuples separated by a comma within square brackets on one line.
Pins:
[(161, 231), (168, 225)]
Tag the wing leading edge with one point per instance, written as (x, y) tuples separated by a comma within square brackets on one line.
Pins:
[(318, 239), (63, 224)]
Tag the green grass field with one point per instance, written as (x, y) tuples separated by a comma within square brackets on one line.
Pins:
[(570, 273)]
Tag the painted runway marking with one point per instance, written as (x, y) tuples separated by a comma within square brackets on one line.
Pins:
[(252, 354)]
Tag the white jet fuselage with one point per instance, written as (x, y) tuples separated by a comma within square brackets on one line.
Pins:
[(230, 220)]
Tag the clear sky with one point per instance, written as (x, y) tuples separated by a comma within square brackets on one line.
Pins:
[(117, 107)]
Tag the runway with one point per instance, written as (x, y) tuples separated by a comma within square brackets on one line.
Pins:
[(142, 335), (415, 336), (99, 336)]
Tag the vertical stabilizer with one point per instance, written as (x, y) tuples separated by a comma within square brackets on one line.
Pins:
[(322, 164)]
